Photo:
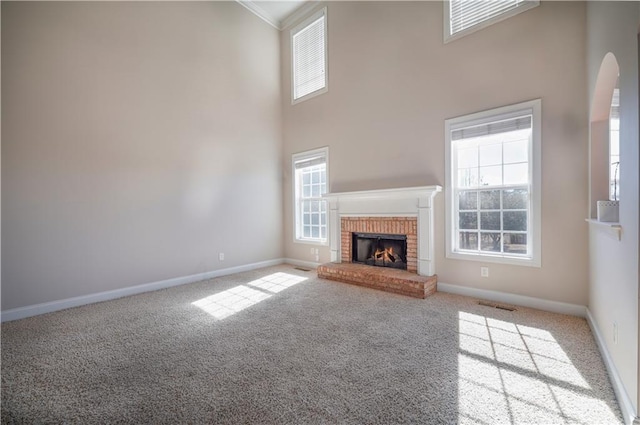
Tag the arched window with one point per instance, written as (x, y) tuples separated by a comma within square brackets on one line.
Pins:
[(614, 146)]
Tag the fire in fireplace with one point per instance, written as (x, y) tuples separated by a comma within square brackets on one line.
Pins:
[(382, 250)]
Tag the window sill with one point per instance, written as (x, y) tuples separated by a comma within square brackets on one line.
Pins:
[(615, 228), (488, 258), (311, 242), (310, 95)]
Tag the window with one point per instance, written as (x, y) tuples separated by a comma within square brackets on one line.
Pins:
[(493, 185), (463, 17), (614, 146), (310, 183), (309, 57)]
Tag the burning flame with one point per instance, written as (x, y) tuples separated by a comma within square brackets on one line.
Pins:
[(385, 255)]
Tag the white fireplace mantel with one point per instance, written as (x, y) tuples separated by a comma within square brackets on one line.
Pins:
[(399, 202)]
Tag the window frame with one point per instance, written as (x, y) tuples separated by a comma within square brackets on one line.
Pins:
[(448, 36), (301, 26), (297, 217), (534, 229)]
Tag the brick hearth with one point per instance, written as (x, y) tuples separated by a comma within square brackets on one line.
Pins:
[(386, 279)]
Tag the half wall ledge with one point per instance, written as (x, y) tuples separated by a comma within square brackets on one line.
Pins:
[(386, 279)]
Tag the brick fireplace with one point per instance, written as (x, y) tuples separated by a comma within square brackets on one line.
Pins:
[(399, 212), (407, 226)]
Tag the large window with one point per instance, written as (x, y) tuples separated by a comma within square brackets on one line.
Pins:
[(493, 187), (310, 183), (466, 16), (309, 57)]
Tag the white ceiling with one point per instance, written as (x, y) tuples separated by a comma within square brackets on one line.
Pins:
[(275, 12)]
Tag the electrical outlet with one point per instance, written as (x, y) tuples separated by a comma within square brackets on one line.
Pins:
[(317, 258), (615, 332), (484, 271), (313, 251), (221, 256), (317, 251)]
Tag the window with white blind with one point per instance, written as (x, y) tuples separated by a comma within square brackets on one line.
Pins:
[(463, 17), (310, 183), (309, 57), (493, 185)]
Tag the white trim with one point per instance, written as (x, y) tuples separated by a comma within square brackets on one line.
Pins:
[(535, 228), (382, 194), (404, 201), (299, 14), (608, 226), (311, 18), (514, 299), (446, 28), (624, 401), (37, 309), (301, 263)]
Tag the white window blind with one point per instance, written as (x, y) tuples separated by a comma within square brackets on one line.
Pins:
[(465, 14), (309, 59), (497, 127)]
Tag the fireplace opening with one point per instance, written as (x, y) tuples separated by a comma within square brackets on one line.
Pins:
[(382, 250)]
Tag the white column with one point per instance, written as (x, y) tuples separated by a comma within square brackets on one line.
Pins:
[(426, 260), (334, 231)]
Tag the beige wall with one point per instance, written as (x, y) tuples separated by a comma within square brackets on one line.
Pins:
[(613, 290), (139, 139), (392, 83)]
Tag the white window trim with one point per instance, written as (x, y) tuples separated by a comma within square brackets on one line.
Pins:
[(324, 151), (448, 37), (292, 32), (536, 183)]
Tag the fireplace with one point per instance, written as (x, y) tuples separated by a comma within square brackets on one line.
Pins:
[(401, 211), (381, 250), (376, 227), (361, 237)]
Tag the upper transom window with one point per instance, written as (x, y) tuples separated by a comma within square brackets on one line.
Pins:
[(463, 17), (309, 57)]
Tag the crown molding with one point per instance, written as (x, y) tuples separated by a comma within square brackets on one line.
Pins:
[(254, 8), (300, 13)]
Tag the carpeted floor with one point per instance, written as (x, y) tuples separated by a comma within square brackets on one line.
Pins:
[(280, 346)]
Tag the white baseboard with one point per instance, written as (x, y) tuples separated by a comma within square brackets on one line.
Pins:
[(521, 300), (300, 263), (34, 310), (624, 401)]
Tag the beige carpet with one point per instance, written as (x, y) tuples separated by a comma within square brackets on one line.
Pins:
[(280, 346)]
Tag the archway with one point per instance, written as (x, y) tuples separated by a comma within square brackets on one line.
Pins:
[(600, 132)]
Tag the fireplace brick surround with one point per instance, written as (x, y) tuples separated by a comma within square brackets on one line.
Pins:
[(393, 225), (402, 211)]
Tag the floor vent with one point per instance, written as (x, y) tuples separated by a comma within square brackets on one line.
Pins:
[(494, 305), (302, 269)]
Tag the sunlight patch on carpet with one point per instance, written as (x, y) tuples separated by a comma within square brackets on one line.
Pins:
[(510, 373), (277, 282), (231, 301)]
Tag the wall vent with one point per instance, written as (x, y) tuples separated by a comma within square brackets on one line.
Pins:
[(494, 305)]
